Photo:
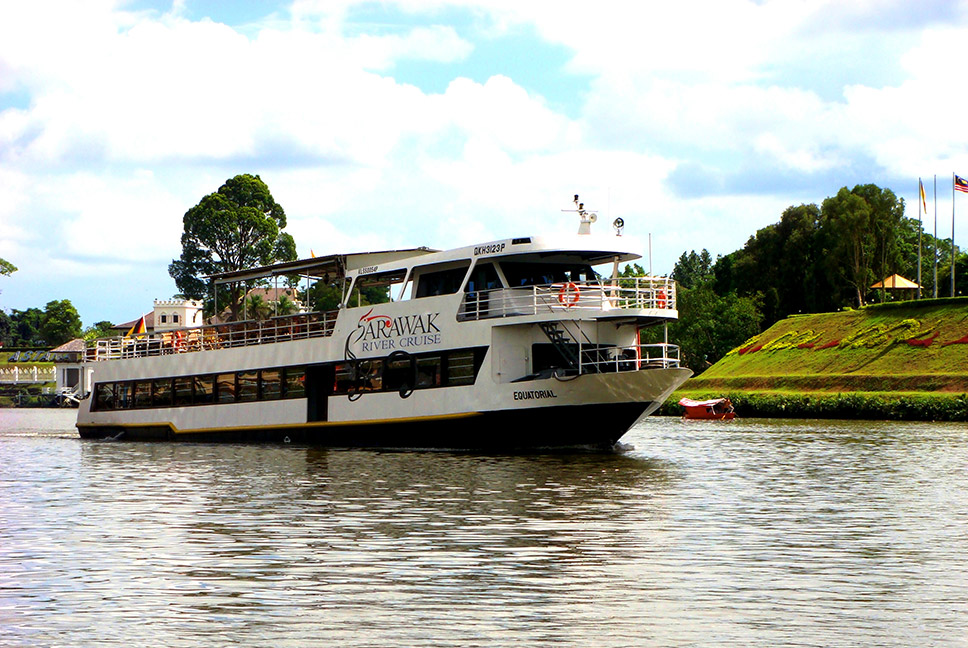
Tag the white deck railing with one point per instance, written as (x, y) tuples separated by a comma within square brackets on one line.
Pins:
[(629, 358), (32, 375), (217, 336), (638, 293)]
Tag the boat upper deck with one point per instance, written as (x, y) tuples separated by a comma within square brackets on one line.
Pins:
[(547, 278)]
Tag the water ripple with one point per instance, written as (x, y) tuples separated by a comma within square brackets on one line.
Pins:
[(760, 533)]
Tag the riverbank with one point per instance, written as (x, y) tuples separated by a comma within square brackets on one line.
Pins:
[(896, 361)]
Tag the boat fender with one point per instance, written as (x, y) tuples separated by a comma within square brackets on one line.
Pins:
[(569, 294)]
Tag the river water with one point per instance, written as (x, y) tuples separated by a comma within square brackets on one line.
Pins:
[(749, 533)]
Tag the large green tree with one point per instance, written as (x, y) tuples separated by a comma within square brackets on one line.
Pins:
[(237, 227), (862, 235), (26, 327), (60, 322)]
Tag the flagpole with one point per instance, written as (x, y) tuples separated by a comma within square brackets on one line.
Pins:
[(920, 198), (935, 235), (952, 234)]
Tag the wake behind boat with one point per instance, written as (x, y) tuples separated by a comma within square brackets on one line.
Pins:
[(510, 344)]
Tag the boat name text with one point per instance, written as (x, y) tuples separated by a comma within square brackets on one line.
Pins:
[(368, 270), (534, 394), (385, 333)]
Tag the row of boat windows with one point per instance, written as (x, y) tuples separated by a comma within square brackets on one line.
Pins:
[(401, 372), (448, 279)]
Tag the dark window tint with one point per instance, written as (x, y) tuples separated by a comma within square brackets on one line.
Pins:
[(271, 384), (248, 385), (204, 389), (183, 391), (226, 388)]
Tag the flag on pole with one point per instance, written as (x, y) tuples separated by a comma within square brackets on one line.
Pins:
[(139, 328), (961, 184), (924, 201)]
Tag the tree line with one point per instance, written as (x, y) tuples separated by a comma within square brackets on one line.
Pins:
[(817, 258)]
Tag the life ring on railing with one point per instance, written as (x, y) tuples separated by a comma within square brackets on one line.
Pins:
[(569, 294), (660, 299), (179, 340)]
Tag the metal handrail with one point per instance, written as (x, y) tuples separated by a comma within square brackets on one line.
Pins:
[(632, 293), (216, 336), (629, 358)]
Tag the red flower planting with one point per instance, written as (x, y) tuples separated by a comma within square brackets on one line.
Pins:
[(923, 342)]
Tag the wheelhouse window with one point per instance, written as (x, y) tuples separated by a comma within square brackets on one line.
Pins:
[(520, 273), (440, 279), (483, 277)]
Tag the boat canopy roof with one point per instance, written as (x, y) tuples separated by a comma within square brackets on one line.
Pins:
[(335, 265), (590, 249)]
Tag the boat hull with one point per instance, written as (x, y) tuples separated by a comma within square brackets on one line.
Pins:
[(569, 426), (592, 411)]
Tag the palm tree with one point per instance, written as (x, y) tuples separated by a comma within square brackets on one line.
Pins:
[(257, 307), (286, 306)]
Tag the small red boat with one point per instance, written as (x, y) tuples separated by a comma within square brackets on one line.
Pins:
[(719, 409)]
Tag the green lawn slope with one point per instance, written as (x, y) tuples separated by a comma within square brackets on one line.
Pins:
[(904, 360)]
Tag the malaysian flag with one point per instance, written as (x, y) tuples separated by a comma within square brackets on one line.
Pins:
[(961, 184)]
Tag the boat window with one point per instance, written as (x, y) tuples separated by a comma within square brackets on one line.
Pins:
[(376, 288), (440, 279), (204, 390), (142, 393), (161, 393), (460, 367), (248, 385), (183, 391), (295, 382), (271, 384), (537, 274), (104, 396), (483, 277), (225, 388), (428, 372), (123, 395)]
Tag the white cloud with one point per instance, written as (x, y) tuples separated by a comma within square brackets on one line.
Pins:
[(116, 114)]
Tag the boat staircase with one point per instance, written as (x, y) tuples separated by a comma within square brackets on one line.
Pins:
[(562, 344)]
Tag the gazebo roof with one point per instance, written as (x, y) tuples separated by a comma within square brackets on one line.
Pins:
[(895, 281)]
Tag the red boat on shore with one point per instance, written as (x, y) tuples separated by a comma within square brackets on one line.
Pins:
[(719, 409)]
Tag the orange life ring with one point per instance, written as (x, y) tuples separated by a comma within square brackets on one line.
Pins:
[(569, 294), (660, 299), (179, 340)]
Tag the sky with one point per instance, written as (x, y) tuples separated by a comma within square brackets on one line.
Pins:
[(439, 123)]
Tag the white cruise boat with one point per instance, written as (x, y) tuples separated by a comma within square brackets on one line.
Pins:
[(510, 345)]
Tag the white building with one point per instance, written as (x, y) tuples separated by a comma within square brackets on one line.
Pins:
[(176, 313)]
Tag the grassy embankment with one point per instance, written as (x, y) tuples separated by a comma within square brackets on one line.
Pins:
[(902, 360)]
